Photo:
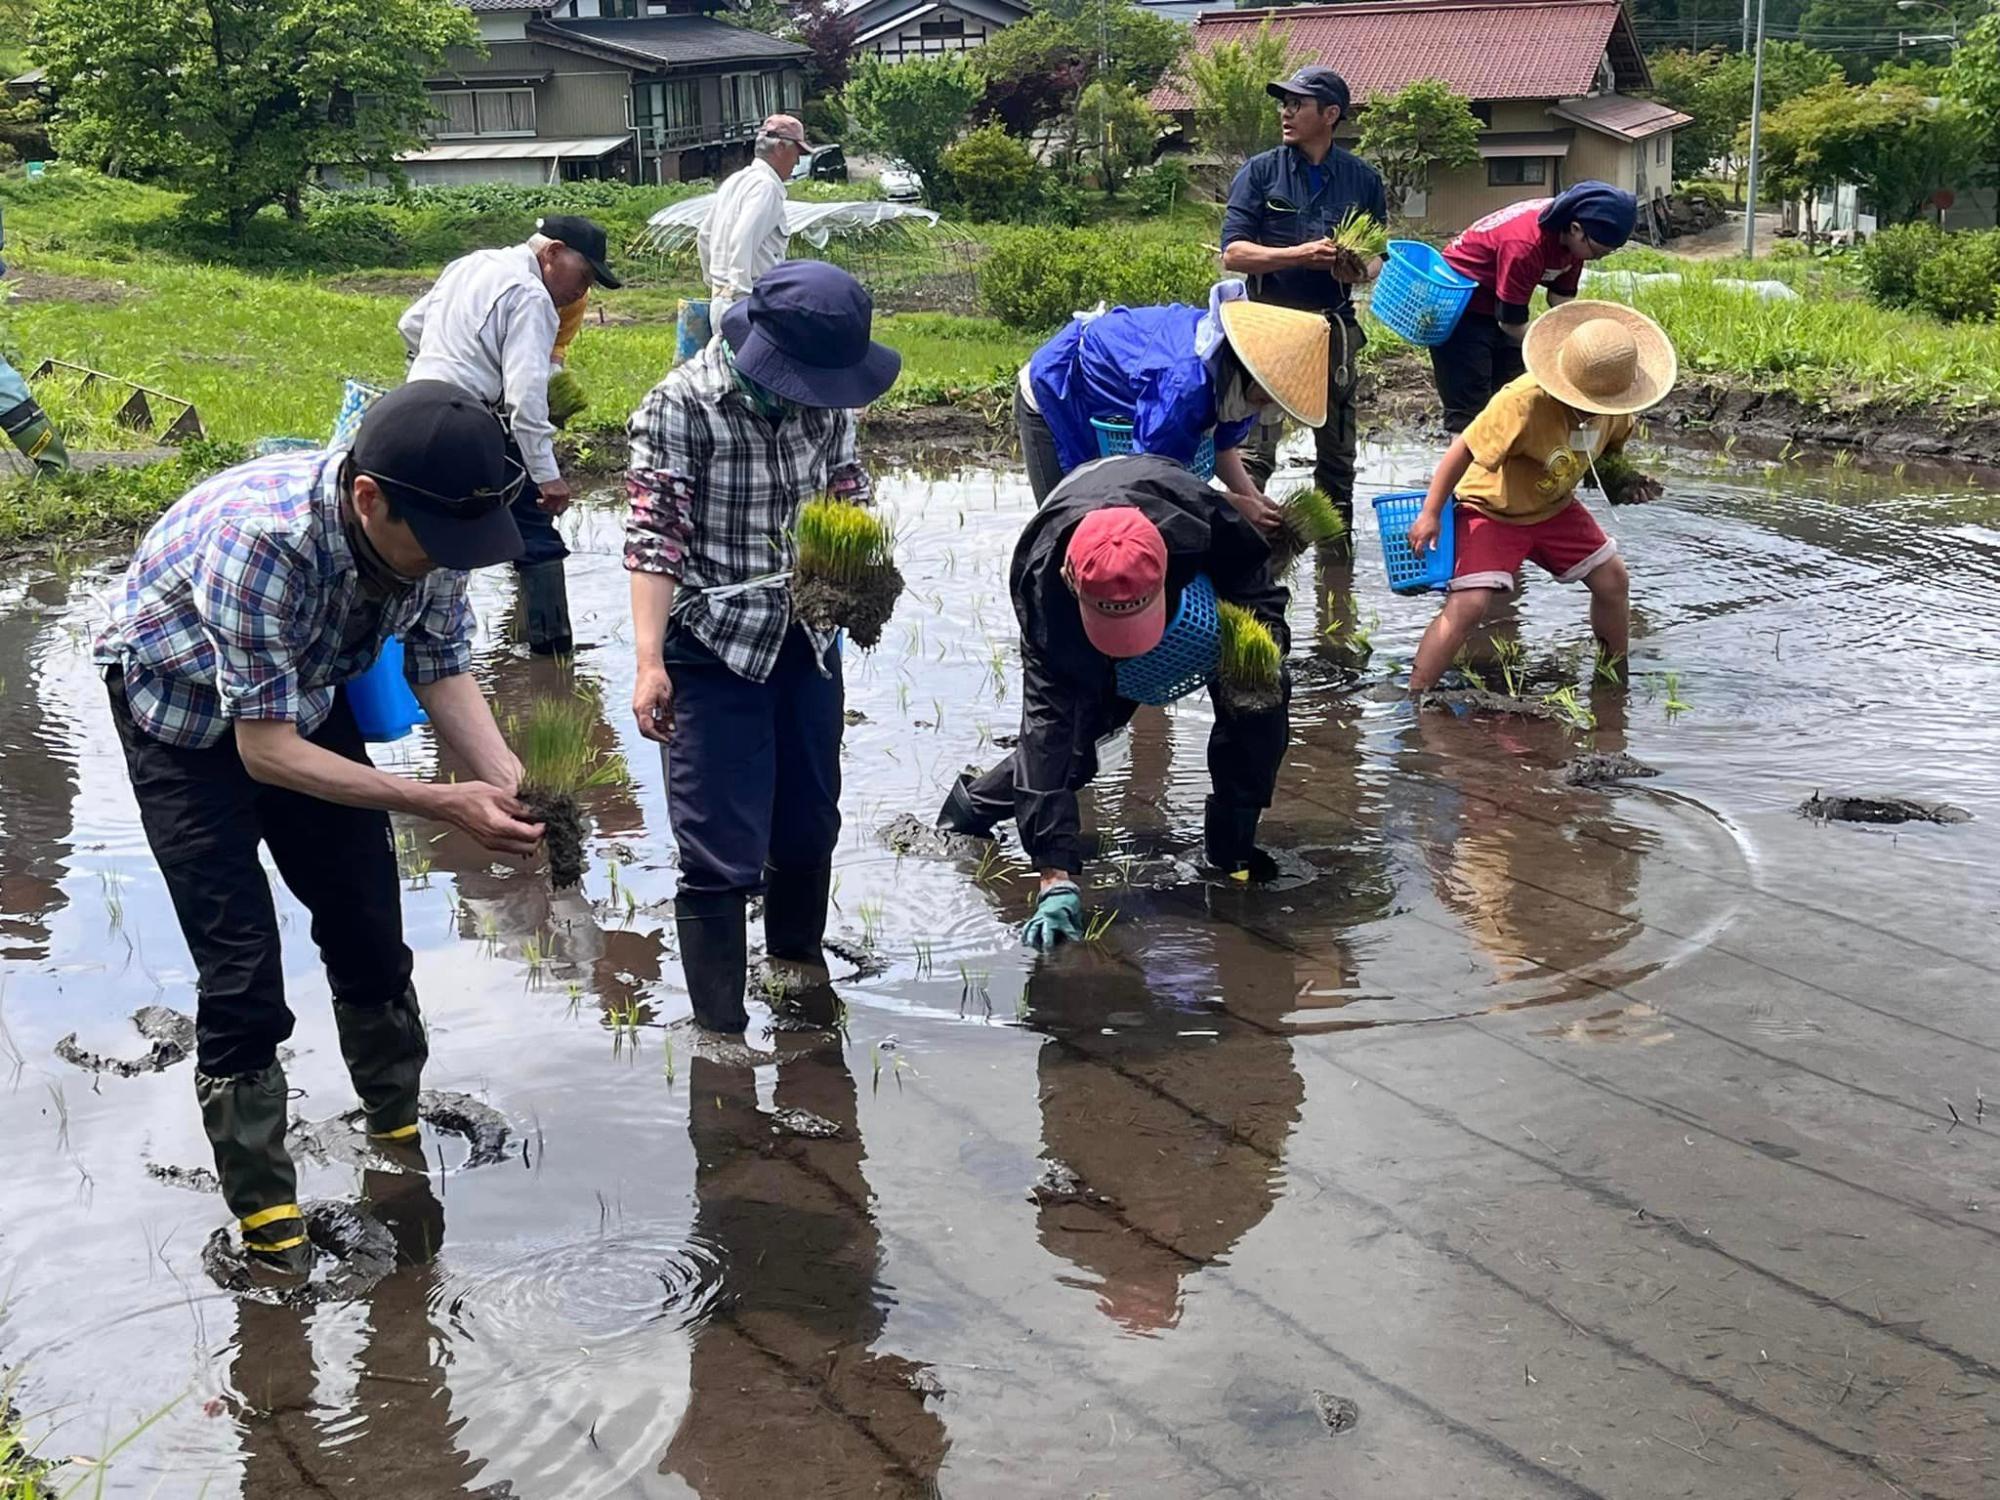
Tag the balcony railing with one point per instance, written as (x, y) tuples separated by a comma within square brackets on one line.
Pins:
[(709, 133)]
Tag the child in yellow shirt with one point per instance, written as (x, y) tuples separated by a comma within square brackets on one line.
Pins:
[(1592, 366)]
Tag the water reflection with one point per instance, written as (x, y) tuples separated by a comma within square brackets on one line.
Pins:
[(787, 1397), (1165, 1113), (40, 779)]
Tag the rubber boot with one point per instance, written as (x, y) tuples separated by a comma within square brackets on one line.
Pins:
[(1229, 841), (245, 1121), (32, 432), (545, 600), (962, 812), (385, 1049), (714, 957), (795, 904)]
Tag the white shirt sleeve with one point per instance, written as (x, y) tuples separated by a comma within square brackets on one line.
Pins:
[(742, 246), (525, 324), (411, 325)]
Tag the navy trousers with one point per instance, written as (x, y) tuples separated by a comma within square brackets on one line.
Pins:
[(540, 540), (753, 770)]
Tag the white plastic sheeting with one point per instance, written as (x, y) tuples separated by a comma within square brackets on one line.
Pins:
[(673, 228)]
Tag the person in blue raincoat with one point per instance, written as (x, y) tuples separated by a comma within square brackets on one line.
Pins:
[(1175, 375)]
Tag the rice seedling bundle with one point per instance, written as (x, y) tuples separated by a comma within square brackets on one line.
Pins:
[(845, 576)]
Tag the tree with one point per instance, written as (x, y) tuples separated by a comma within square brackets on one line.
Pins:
[(1897, 146), (1233, 116), (1116, 131), (991, 176), (237, 101), (1714, 87), (1423, 128), (822, 28), (1035, 72), (1865, 35), (912, 110), (1974, 82)]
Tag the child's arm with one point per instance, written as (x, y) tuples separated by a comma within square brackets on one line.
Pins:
[(1430, 520)]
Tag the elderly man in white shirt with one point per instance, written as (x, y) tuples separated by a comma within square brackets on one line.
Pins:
[(744, 235), (489, 326)]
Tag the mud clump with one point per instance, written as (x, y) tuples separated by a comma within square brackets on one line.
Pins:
[(803, 1122), (906, 833), (860, 608), (1480, 701), (194, 1179), (1059, 1183), (171, 1035), (563, 828), (1597, 769), (1838, 809), (343, 1138), (354, 1251), (1338, 1413)]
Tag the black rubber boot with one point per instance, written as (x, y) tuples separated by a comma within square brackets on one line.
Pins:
[(385, 1049), (245, 1121), (32, 432), (714, 957), (1229, 841), (965, 812), (545, 602), (795, 914)]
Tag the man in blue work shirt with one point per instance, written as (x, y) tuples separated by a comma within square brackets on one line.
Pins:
[(1282, 206)]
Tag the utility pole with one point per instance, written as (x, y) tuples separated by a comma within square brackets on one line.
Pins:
[(1746, 25), (1756, 139)]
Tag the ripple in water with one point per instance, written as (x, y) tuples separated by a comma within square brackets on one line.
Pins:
[(602, 1289)]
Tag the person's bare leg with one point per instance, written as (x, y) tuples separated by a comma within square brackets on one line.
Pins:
[(1611, 609), (1462, 612)]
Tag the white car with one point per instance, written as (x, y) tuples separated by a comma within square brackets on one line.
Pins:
[(901, 183)]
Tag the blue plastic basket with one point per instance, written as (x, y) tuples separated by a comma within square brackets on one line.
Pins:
[(1186, 656), (383, 704), (693, 328), (1418, 295), (356, 396), (1116, 437), (1408, 573)]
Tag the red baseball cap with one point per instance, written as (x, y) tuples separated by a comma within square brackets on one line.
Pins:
[(1117, 564)]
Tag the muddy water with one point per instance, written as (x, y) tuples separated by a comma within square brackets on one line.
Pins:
[(1530, 1139)]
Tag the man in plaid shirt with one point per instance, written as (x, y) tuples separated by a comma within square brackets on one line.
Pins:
[(246, 607), (724, 451)]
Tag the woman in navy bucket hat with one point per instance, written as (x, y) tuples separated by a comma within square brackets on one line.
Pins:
[(744, 699)]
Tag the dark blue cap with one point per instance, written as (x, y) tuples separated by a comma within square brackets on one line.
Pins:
[(803, 334), (1316, 83), (1607, 214)]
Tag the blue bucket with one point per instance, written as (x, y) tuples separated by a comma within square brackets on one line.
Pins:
[(1409, 573), (1418, 296), (1186, 656), (356, 396), (1116, 437), (693, 328), (383, 704)]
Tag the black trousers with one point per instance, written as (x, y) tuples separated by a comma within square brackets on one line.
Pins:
[(753, 769), (204, 816), (540, 540), (1038, 448), (1335, 443), (1471, 365)]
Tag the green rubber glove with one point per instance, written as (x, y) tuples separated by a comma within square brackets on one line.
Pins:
[(1058, 916)]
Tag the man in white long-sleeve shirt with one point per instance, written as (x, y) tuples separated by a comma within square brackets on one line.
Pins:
[(489, 326), (744, 235)]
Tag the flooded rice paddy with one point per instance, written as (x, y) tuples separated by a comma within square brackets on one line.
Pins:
[(1531, 1138)]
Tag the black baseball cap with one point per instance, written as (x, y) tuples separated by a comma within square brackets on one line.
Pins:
[(585, 237), (1313, 82), (441, 456)]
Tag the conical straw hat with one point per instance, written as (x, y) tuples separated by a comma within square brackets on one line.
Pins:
[(1285, 351), (1601, 357)]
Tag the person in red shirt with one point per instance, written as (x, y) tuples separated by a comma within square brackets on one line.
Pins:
[(1544, 242)]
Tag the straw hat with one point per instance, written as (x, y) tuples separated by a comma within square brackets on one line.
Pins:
[(1285, 351), (1601, 357)]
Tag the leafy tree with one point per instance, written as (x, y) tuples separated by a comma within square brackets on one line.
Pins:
[(1974, 81), (1233, 116), (1409, 134), (912, 110), (237, 101), (822, 27), (1895, 144), (1867, 35), (1715, 87), (992, 176), (1035, 71), (1116, 131)]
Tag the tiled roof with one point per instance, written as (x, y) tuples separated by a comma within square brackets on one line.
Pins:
[(532, 7), (1483, 49), (667, 41), (1634, 119)]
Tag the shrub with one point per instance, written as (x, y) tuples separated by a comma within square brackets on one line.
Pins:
[(1062, 204), (1957, 281), (992, 176), (358, 233), (1161, 186), (1712, 193), (1890, 262), (824, 118), (1037, 278)]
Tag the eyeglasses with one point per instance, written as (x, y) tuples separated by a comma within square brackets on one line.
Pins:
[(478, 503), (1294, 101)]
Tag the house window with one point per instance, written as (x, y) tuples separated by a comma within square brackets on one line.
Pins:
[(795, 93), (941, 28), (667, 114), (1483, 113), (477, 112), (1517, 171), (1660, 144)]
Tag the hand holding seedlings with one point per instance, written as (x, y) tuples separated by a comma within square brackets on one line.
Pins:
[(1356, 242), (1259, 512), (1305, 519), (493, 816), (1622, 483)]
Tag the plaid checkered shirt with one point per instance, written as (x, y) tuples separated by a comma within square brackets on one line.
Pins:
[(238, 605), (715, 488)]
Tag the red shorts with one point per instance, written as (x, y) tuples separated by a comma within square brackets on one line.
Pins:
[(1489, 553)]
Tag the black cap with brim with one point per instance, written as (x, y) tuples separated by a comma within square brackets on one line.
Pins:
[(1318, 83), (461, 544), (797, 379), (587, 238)]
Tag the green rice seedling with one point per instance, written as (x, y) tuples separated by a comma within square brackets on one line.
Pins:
[(1574, 713), (1306, 517), (489, 933), (561, 759), (845, 576), (925, 952), (1609, 667), (1463, 662), (1674, 705), (1098, 925), (937, 715), (566, 398), (1360, 236), (1510, 654), (871, 914), (574, 991), (114, 900), (1248, 665), (989, 862), (875, 1058), (535, 954)]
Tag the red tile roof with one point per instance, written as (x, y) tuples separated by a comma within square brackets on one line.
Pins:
[(1484, 49)]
